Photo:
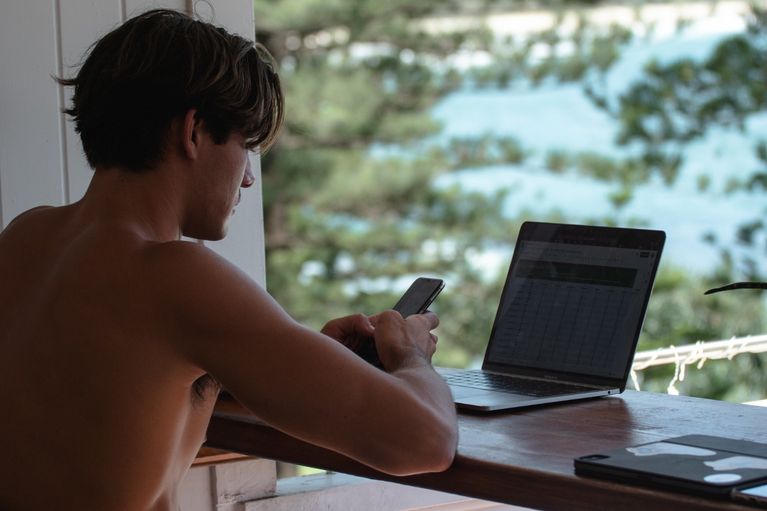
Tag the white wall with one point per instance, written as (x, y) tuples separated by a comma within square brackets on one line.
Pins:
[(41, 160)]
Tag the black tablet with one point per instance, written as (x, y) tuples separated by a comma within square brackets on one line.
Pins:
[(698, 464)]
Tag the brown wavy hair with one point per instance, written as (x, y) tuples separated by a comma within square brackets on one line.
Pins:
[(157, 66)]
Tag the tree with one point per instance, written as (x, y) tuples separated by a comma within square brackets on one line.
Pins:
[(353, 193), (676, 103), (351, 209), (671, 105)]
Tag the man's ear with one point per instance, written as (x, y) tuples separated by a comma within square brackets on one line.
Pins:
[(191, 130)]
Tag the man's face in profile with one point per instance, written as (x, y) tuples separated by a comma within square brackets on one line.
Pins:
[(223, 170)]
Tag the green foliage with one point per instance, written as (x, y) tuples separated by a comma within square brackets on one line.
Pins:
[(681, 101), (352, 209), (674, 313), (680, 314)]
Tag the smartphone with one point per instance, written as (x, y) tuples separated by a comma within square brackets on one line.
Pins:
[(416, 300), (419, 296), (754, 495)]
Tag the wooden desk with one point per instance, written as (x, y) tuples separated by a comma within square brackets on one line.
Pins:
[(526, 457)]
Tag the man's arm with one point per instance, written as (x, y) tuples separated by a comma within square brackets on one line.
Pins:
[(303, 382)]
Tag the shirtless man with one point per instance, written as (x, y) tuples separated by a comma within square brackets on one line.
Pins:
[(115, 333)]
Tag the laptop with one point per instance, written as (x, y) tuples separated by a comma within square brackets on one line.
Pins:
[(569, 317), (703, 465)]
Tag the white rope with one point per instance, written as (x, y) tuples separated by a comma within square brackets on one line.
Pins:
[(701, 351), (698, 353)]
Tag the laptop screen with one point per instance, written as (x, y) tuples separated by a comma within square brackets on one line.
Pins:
[(575, 299)]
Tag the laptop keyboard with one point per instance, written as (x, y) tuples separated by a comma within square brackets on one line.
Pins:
[(516, 385)]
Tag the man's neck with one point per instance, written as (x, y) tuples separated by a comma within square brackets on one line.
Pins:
[(147, 202)]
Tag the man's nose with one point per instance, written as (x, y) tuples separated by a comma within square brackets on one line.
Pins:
[(248, 178)]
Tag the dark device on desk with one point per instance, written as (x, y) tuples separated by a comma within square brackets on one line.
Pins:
[(698, 464), (569, 317), (416, 300), (754, 495)]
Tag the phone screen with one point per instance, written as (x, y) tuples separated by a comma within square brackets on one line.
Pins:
[(419, 296)]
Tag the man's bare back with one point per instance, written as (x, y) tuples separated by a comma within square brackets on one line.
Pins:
[(102, 416), (108, 322)]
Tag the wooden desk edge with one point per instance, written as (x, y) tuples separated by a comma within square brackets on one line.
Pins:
[(211, 456), (233, 428)]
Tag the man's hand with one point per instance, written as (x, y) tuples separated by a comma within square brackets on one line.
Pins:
[(405, 341), (351, 331), (402, 342)]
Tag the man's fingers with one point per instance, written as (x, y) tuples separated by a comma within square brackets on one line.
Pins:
[(431, 319), (349, 325), (363, 324)]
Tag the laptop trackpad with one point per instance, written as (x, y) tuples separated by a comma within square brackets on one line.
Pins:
[(479, 399), (460, 392), (469, 395)]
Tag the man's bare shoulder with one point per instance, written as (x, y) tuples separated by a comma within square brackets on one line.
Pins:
[(200, 283), (222, 321), (186, 262), (33, 211), (23, 218)]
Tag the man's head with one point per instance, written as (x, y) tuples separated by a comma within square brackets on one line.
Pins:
[(155, 68)]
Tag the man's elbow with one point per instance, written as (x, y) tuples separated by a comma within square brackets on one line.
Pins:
[(440, 459), (433, 452)]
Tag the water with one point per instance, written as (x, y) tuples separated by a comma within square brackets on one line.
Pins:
[(562, 117)]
